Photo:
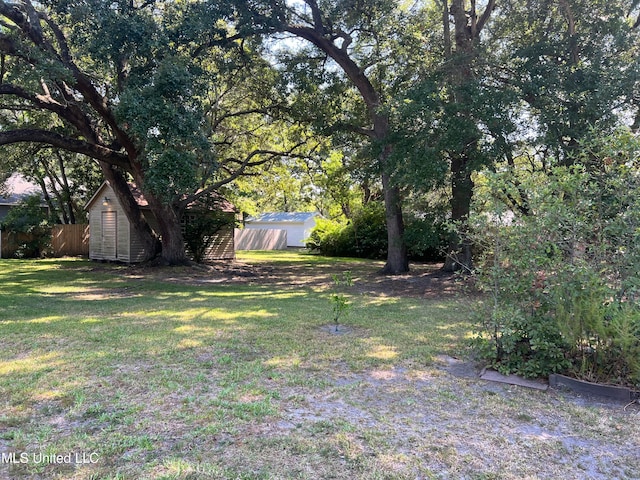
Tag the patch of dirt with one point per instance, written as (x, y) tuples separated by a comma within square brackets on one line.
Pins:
[(426, 280), (334, 329), (444, 419)]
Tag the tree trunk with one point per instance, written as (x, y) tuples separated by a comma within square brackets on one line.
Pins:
[(47, 197), (67, 198), (171, 243), (171, 237), (460, 252), (150, 242), (467, 28), (397, 261), (173, 247)]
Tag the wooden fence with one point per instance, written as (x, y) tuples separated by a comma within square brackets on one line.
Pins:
[(70, 240), (10, 243), (66, 240)]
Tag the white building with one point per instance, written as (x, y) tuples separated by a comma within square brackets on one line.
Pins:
[(298, 225)]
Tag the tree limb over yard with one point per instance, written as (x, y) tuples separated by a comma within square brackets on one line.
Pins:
[(65, 143)]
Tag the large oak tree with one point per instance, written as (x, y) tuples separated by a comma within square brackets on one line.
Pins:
[(140, 88), (357, 39)]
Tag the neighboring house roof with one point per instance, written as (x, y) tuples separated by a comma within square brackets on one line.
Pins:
[(11, 199), (283, 217), (17, 188)]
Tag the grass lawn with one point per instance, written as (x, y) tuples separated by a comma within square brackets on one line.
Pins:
[(113, 372)]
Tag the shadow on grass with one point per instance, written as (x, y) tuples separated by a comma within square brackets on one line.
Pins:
[(131, 368)]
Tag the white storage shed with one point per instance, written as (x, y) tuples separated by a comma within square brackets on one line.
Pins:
[(298, 225)]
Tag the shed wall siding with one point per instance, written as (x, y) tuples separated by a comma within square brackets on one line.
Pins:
[(136, 253), (295, 231), (94, 244), (296, 236), (101, 246), (260, 239), (124, 242), (109, 228), (136, 249), (309, 225), (95, 239), (222, 247)]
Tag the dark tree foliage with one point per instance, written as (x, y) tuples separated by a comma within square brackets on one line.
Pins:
[(29, 223), (201, 230), (153, 91)]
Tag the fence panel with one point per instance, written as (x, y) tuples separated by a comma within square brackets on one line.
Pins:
[(10, 243), (66, 240), (70, 240)]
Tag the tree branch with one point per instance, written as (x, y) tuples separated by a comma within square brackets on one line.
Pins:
[(240, 113), (226, 41), (447, 29), (316, 14), (53, 139), (351, 68), (70, 113), (82, 83), (485, 16), (245, 163), (571, 25)]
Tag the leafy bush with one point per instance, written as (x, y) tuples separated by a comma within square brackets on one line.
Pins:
[(30, 223), (425, 237), (564, 280), (330, 238), (365, 236), (369, 231), (200, 231)]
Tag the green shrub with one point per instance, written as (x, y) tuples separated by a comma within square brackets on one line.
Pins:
[(201, 229), (328, 238), (369, 231), (563, 281), (425, 238), (365, 236), (30, 223)]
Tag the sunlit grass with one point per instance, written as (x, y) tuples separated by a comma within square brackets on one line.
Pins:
[(163, 379), (294, 257)]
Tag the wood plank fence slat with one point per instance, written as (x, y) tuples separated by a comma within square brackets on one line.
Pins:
[(70, 240), (66, 240)]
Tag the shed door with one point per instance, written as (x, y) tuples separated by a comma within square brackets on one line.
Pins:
[(109, 235)]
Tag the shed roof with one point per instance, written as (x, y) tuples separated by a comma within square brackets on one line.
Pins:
[(215, 199), (283, 217)]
